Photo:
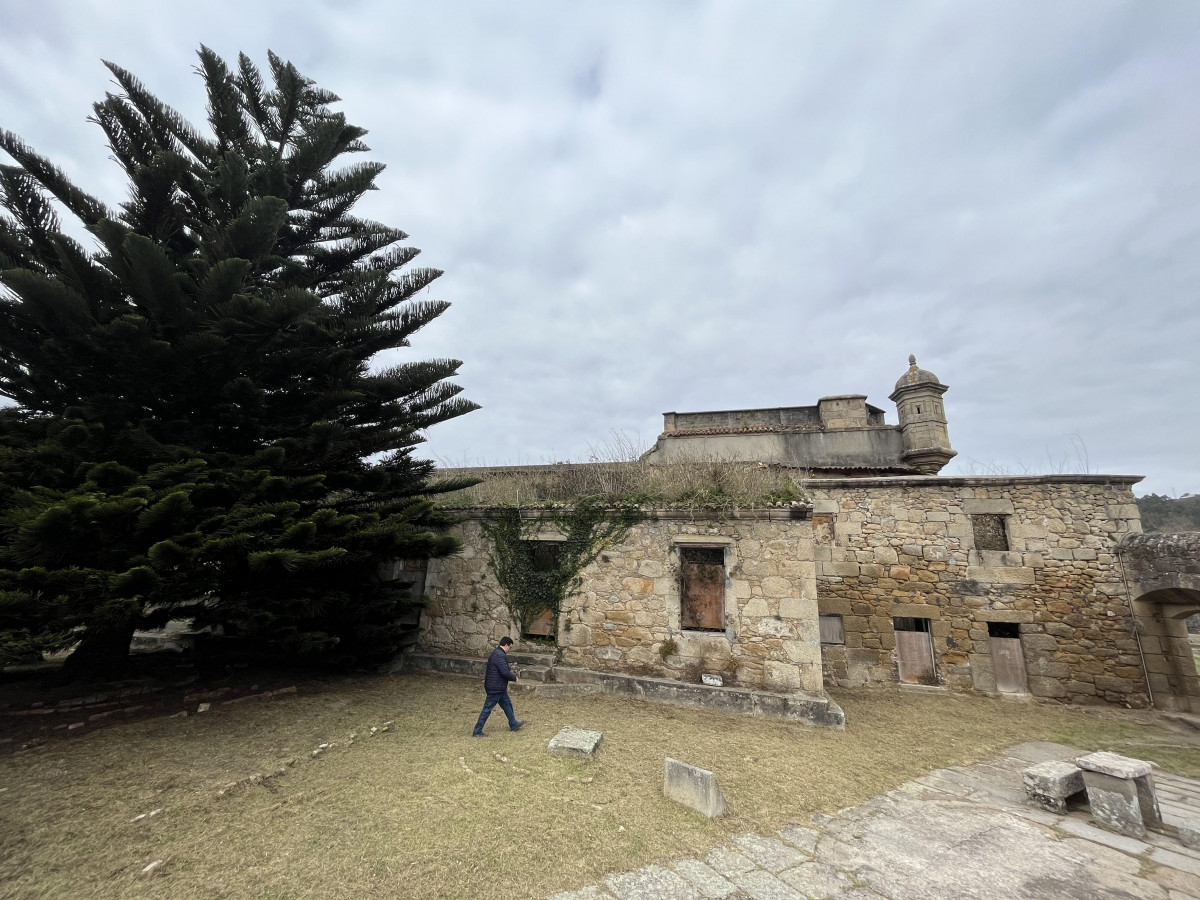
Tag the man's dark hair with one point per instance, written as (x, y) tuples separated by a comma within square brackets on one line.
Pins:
[(506, 641)]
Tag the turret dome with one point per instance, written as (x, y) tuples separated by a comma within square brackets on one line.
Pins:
[(915, 376)]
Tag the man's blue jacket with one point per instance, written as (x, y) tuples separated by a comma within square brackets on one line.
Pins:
[(498, 673)]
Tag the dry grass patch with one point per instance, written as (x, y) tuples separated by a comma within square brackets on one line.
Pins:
[(424, 810)]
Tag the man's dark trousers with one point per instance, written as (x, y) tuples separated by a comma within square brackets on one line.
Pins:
[(492, 701), (495, 684)]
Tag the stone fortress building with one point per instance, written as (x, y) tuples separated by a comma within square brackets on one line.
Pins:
[(840, 435), (886, 571)]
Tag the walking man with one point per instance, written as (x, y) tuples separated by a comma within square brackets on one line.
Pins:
[(495, 682)]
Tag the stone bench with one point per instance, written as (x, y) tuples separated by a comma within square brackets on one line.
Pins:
[(1051, 784), (1120, 793)]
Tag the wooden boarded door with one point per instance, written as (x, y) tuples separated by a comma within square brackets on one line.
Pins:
[(1008, 658), (544, 559), (914, 650), (702, 588)]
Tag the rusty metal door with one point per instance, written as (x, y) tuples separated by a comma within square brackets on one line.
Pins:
[(702, 588), (1008, 662), (914, 656)]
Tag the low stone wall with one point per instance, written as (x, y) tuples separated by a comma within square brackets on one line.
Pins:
[(794, 706), (629, 606), (891, 547)]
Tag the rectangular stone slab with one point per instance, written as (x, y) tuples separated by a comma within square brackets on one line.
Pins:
[(572, 741), (693, 787), (1114, 803), (1114, 764), (1049, 784)]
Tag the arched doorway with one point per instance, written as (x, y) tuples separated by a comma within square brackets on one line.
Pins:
[(1161, 617)]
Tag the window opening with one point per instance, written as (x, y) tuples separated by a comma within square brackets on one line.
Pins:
[(1004, 630), (702, 588), (544, 555), (833, 629), (990, 532), (908, 623)]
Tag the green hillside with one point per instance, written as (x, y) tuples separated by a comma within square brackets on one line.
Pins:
[(1161, 513)]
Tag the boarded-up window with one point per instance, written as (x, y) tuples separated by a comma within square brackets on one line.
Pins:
[(914, 650), (1008, 658), (832, 629), (702, 588), (989, 532)]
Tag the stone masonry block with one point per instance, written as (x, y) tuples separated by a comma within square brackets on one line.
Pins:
[(995, 558), (693, 787), (1123, 511), (1050, 784), (572, 741), (842, 569), (1114, 764), (1022, 616), (1114, 804), (916, 611), (988, 507), (1121, 792), (1002, 574), (1189, 833)]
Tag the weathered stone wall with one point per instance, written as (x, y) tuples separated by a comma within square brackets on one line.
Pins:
[(888, 547), (1165, 564), (1164, 580), (629, 606)]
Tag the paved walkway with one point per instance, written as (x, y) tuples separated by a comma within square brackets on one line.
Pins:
[(962, 832)]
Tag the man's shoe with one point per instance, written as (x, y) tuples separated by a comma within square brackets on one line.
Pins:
[(517, 727), (478, 734)]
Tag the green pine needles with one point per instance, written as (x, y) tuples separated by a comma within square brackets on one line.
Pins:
[(533, 581), (212, 418)]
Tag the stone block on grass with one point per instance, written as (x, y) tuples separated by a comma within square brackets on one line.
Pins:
[(572, 741), (693, 787)]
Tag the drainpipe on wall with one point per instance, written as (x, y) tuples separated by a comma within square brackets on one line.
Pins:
[(1133, 625)]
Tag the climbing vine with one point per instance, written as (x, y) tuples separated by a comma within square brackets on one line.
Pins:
[(533, 581)]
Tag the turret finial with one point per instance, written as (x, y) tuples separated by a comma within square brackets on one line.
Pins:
[(912, 359)]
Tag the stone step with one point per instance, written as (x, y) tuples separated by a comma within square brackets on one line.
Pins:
[(532, 658), (535, 673), (559, 691), (449, 665)]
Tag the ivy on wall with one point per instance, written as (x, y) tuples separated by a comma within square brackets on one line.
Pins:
[(533, 582)]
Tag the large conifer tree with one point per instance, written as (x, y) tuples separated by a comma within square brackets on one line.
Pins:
[(198, 428)]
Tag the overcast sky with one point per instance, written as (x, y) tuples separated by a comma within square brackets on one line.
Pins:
[(654, 206)]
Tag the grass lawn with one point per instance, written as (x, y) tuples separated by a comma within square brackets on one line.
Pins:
[(424, 810)]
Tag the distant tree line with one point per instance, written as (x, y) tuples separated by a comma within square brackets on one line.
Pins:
[(1162, 513)]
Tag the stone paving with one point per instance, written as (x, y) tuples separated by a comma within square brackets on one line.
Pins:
[(961, 832)]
